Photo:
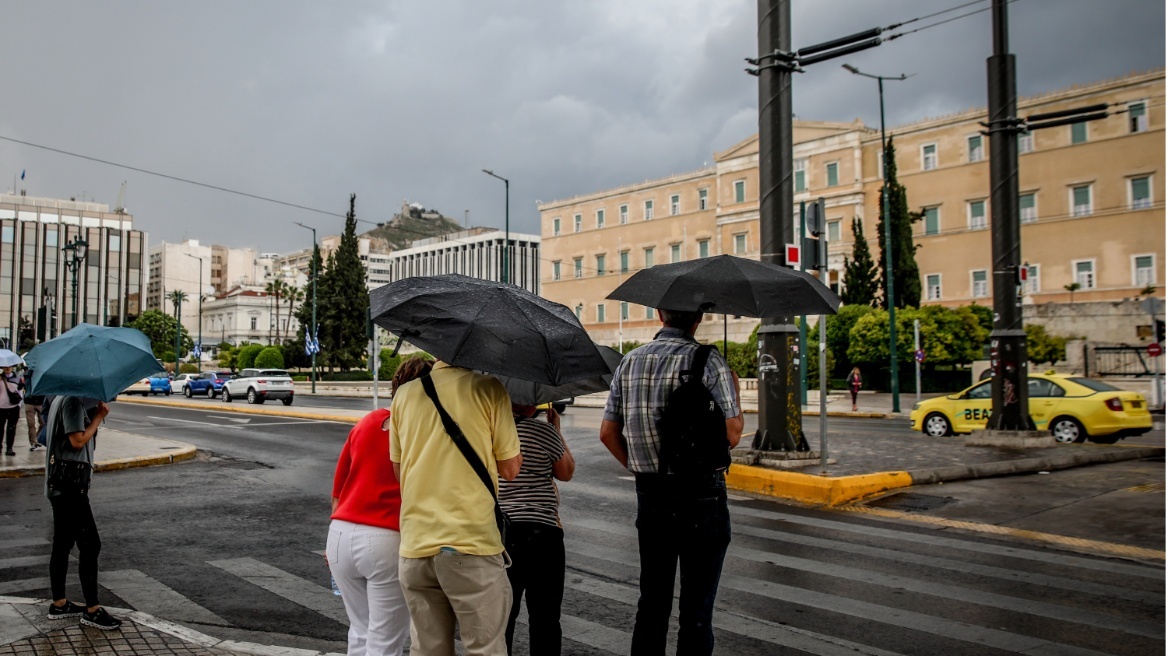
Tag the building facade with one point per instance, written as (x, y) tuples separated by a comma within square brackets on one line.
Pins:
[(34, 275), (186, 265), (1091, 207), (476, 252), (246, 313)]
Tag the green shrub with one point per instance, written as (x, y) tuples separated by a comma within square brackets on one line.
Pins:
[(270, 358), (188, 368), (347, 376), (246, 356), (388, 364)]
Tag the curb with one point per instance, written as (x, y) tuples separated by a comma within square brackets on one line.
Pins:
[(187, 452), (225, 407), (834, 491)]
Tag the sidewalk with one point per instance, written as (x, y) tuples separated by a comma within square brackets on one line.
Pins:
[(115, 450)]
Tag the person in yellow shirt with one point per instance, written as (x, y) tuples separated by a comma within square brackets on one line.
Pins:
[(451, 562)]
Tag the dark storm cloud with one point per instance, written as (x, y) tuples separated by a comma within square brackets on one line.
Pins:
[(306, 102)]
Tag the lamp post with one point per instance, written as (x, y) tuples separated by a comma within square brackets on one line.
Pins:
[(200, 349), (894, 369), (75, 255), (313, 256), (506, 223)]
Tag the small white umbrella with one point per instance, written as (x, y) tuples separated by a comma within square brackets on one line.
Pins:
[(10, 359)]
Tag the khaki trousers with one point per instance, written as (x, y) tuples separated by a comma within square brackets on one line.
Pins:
[(450, 587)]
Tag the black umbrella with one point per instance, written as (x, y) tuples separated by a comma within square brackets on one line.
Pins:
[(488, 326), (729, 285), (526, 392)]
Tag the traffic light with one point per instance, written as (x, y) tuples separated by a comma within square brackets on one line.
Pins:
[(42, 322), (1160, 330)]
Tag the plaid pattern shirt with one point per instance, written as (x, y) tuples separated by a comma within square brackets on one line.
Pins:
[(641, 387)]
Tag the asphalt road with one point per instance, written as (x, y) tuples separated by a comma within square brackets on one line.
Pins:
[(230, 544)]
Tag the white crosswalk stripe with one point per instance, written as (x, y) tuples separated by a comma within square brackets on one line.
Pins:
[(151, 596), (293, 588)]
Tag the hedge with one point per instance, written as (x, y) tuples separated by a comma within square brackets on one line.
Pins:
[(270, 358)]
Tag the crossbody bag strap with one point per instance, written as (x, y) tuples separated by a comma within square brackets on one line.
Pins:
[(698, 366), (455, 433)]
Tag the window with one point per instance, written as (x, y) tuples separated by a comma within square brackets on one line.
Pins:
[(929, 157), (1033, 279), (1040, 388), (253, 322), (599, 218), (115, 243), (981, 284), (600, 318), (600, 265), (1137, 117), (1078, 133), (1144, 270), (740, 243), (800, 175), (740, 191), (703, 199), (624, 261), (580, 311), (1085, 274), (1081, 200), (976, 148), (556, 270), (649, 313), (1141, 192), (703, 248), (577, 222), (8, 234), (648, 210), (674, 205), (832, 174), (624, 311), (1027, 208), (556, 226), (624, 214), (880, 165), (579, 265), (977, 215), (648, 257), (933, 287), (675, 253), (1025, 143), (833, 231), (932, 220)]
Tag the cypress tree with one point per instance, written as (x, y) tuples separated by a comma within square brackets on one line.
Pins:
[(906, 276), (343, 302), (861, 282)]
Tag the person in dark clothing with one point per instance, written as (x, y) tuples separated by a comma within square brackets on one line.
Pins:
[(70, 435), (682, 520), (10, 400)]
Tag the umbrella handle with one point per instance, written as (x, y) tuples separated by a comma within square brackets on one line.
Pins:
[(401, 338)]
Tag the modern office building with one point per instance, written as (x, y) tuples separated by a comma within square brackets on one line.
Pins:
[(183, 266), (1091, 205), (35, 273)]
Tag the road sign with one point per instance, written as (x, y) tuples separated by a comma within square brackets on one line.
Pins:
[(920, 356), (1155, 350), (793, 255)]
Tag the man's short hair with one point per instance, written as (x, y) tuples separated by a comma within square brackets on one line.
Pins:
[(680, 319)]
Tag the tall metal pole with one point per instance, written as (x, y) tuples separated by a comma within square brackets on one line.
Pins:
[(177, 331), (506, 223), (916, 349), (780, 414), (822, 246), (314, 330), (1010, 409), (803, 354), (200, 308), (893, 365)]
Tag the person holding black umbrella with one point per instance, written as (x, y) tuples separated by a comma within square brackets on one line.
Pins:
[(682, 518)]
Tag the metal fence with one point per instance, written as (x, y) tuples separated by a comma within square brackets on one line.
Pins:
[(1122, 361)]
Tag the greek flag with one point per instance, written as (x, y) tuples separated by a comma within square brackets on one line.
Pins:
[(197, 351), (311, 345)]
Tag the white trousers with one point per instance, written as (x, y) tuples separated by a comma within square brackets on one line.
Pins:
[(363, 560)]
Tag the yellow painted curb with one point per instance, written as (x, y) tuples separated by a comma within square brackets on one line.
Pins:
[(807, 488), (117, 464), (247, 410)]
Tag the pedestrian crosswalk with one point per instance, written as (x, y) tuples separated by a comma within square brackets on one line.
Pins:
[(795, 581)]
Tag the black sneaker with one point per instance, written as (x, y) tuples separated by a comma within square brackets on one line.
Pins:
[(100, 619), (70, 609), (9, 452)]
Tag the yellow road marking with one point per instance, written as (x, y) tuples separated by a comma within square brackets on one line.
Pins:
[(1146, 487), (1092, 546)]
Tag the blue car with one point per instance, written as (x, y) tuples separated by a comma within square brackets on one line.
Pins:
[(160, 384)]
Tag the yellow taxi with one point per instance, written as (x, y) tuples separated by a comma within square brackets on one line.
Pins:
[(1072, 408)]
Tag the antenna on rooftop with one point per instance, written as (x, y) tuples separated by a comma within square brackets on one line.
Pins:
[(120, 207)]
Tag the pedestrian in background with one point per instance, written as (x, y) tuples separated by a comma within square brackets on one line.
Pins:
[(535, 538), (854, 384), (452, 566), (10, 402), (32, 412), (682, 519), (72, 427), (364, 536)]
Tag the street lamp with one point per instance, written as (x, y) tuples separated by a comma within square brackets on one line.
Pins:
[(313, 256), (506, 223), (75, 252), (895, 370), (200, 347)]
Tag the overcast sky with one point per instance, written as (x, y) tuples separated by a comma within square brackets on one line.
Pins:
[(307, 101)]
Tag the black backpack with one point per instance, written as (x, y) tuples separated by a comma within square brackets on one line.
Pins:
[(693, 426)]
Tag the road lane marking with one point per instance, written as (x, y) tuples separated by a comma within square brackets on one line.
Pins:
[(235, 419), (289, 586), (23, 561), (5, 545), (149, 595)]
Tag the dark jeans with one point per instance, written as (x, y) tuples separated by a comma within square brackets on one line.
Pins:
[(73, 524), (8, 419), (679, 520), (537, 568)]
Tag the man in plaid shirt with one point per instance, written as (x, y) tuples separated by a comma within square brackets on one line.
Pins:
[(679, 518)]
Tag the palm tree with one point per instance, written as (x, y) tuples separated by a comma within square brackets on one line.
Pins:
[(294, 296), (177, 297), (1072, 288), (275, 288)]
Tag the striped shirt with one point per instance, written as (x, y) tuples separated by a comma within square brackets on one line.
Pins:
[(641, 387), (533, 496)]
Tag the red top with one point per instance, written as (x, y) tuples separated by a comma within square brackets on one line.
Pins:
[(364, 482)]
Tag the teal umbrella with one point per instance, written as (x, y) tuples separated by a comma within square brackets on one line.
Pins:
[(91, 361)]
